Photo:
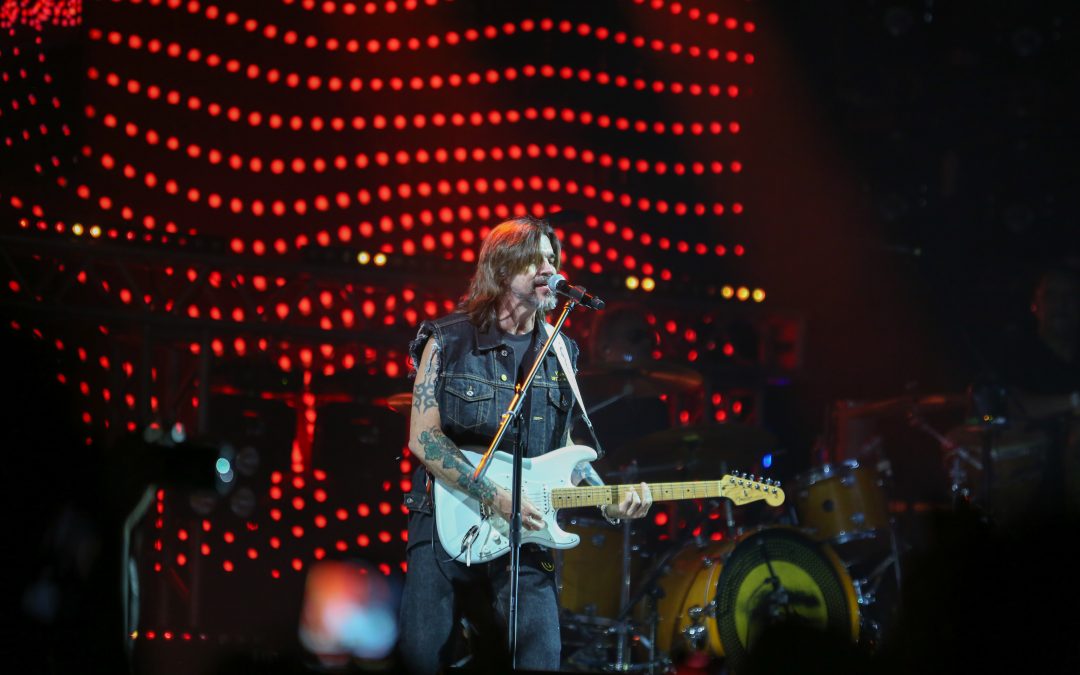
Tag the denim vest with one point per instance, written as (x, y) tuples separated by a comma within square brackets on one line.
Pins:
[(475, 385)]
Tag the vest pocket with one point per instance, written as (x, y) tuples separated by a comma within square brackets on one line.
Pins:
[(560, 403), (559, 398), (468, 402)]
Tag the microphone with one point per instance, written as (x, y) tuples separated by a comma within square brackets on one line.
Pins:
[(558, 284)]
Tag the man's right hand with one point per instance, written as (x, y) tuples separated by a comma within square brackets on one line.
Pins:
[(531, 518)]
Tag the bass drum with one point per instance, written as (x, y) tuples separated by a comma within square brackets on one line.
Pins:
[(718, 598)]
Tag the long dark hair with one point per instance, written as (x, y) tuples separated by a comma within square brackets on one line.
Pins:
[(508, 250)]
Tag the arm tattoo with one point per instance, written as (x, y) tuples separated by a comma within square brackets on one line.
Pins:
[(440, 452), (424, 392)]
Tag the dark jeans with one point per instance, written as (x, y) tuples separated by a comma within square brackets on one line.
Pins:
[(439, 591)]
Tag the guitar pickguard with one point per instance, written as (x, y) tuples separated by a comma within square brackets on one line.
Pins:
[(456, 512)]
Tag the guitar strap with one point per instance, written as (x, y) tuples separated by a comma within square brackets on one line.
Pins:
[(568, 369)]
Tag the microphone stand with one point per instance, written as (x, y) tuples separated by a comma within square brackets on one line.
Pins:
[(512, 415)]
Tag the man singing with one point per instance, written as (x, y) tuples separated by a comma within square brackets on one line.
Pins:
[(467, 365)]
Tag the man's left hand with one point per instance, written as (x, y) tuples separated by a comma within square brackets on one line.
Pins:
[(633, 505)]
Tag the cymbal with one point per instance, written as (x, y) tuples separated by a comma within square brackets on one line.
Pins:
[(291, 397), (902, 405), (400, 402), (702, 445), (652, 378)]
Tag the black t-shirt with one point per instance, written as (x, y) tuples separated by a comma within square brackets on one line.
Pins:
[(521, 345)]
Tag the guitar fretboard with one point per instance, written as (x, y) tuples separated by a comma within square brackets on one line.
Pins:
[(595, 495)]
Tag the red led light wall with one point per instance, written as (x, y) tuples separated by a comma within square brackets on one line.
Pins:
[(407, 127)]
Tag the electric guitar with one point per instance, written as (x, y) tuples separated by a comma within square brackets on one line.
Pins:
[(469, 530)]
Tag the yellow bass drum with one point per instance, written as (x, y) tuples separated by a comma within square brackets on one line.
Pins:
[(719, 597)]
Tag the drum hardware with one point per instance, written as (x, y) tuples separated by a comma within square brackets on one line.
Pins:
[(990, 463), (624, 594), (778, 597), (955, 458), (606, 630), (628, 626), (696, 632), (870, 630)]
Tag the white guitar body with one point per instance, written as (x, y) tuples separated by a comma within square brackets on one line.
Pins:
[(457, 514)]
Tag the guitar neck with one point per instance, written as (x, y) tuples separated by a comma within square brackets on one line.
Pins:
[(597, 495)]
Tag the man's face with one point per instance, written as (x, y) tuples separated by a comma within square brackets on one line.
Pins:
[(530, 287)]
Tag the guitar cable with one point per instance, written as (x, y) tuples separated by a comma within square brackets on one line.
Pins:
[(466, 544)]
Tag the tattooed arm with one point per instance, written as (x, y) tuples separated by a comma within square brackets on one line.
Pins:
[(441, 456)]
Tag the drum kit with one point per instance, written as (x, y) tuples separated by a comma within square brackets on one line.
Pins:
[(645, 598)]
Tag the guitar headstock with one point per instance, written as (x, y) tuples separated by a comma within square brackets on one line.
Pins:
[(743, 488)]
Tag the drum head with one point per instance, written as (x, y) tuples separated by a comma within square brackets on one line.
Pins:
[(815, 590)]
